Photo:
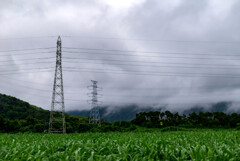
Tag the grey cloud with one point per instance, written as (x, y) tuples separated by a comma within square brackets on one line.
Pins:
[(149, 20)]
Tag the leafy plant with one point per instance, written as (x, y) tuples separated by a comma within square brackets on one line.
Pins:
[(177, 145)]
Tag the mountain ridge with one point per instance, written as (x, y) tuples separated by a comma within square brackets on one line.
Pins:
[(128, 112)]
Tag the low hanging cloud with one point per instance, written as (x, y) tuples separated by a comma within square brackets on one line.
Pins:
[(183, 53)]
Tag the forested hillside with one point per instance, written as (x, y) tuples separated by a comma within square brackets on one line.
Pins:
[(12, 108), (19, 116)]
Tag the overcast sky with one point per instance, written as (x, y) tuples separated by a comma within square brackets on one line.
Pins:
[(176, 53)]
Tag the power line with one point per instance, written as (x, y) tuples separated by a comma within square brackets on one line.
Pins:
[(156, 72), (128, 88), (126, 39), (147, 62), (19, 80), (27, 37), (26, 86), (24, 64), (154, 40), (31, 95), (121, 52), (152, 103), (44, 96), (165, 66), (173, 88), (186, 95), (27, 69), (156, 103), (26, 59), (131, 72), (126, 55), (131, 96), (4, 51), (147, 74), (174, 57), (37, 83), (29, 88), (20, 85), (26, 72), (29, 53), (154, 97)]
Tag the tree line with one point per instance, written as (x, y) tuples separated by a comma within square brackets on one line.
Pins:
[(73, 125), (152, 119), (157, 119)]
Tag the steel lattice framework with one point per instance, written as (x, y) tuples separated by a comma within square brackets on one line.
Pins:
[(57, 114), (94, 114)]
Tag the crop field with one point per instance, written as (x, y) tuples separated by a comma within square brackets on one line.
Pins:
[(199, 145)]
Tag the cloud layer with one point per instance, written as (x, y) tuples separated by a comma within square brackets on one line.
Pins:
[(183, 65)]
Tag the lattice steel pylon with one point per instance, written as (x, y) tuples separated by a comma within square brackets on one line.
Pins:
[(57, 115), (94, 113)]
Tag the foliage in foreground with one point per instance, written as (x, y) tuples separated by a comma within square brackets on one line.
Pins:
[(201, 145)]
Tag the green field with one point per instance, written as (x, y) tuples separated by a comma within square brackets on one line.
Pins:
[(199, 145)]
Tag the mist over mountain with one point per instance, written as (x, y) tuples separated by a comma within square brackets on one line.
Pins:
[(117, 113), (128, 112)]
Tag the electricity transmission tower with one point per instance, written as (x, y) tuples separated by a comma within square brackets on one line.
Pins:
[(94, 114), (57, 114)]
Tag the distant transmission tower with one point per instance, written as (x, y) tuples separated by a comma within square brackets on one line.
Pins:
[(94, 114), (57, 114)]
